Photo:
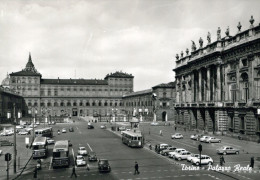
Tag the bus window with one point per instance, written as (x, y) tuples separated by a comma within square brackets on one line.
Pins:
[(134, 138), (139, 138), (38, 147)]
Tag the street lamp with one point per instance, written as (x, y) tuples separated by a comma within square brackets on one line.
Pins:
[(14, 124), (35, 112), (114, 111)]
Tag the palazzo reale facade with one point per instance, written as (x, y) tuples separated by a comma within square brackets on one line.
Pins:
[(218, 85), (71, 97)]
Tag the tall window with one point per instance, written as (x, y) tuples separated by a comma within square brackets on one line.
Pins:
[(55, 92), (231, 121), (49, 92), (233, 92), (242, 125)]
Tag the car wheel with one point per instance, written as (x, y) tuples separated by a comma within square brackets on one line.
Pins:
[(209, 141), (219, 141), (237, 152), (224, 153), (165, 154), (210, 163), (197, 163), (179, 159)]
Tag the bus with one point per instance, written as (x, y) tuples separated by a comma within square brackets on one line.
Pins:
[(61, 154), (40, 147), (133, 138), (44, 132)]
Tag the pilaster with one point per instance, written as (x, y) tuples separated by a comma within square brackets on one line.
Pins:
[(199, 87)]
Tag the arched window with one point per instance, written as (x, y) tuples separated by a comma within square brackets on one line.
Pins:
[(75, 104), (93, 103), (55, 104), (35, 104), (62, 104), (99, 103), (49, 104), (87, 104), (68, 104)]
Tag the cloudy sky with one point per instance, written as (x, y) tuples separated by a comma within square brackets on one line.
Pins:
[(91, 38)]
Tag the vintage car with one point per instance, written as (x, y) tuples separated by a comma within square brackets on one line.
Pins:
[(82, 151), (213, 140), (80, 160), (103, 165), (204, 160), (227, 150), (177, 136)]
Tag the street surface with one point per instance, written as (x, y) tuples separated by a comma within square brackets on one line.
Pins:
[(108, 145)]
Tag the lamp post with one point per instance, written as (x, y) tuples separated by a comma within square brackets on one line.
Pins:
[(14, 124), (34, 119), (114, 111)]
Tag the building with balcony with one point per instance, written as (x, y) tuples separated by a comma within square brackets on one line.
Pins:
[(218, 85), (71, 97)]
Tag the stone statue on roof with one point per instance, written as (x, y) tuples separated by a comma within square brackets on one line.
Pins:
[(181, 54), (209, 38), (193, 46), (201, 42), (187, 51), (219, 34), (227, 31)]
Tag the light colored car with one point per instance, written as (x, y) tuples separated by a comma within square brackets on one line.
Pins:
[(31, 126), (103, 127), (165, 152), (204, 160), (50, 141), (213, 140), (154, 123), (182, 155), (37, 123), (195, 137), (7, 133), (122, 128), (63, 130), (161, 147), (80, 160), (178, 150), (1, 151), (177, 136), (203, 138), (23, 132), (192, 156), (82, 151), (19, 127), (227, 150)]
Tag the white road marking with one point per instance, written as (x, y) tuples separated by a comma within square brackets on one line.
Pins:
[(89, 147)]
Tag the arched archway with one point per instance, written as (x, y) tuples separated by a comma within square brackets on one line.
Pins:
[(164, 116)]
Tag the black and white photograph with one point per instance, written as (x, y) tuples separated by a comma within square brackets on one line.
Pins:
[(130, 89)]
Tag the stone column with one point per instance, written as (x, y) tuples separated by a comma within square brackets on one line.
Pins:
[(208, 84), (199, 87), (218, 89), (192, 87)]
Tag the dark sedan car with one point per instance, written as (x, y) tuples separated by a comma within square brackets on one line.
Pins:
[(71, 129), (6, 143), (90, 126), (103, 165), (92, 156)]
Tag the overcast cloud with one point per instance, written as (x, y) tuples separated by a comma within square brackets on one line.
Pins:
[(96, 37)]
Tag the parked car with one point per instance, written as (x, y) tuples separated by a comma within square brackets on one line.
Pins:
[(177, 136), (53, 123), (31, 126), (204, 160), (37, 123), (161, 147), (103, 165), (71, 129), (165, 152), (1, 151), (82, 151), (92, 156), (6, 143), (192, 156), (90, 126), (80, 160), (154, 123), (195, 137), (23, 132), (213, 140), (203, 138), (63, 130), (122, 128), (227, 150), (182, 155), (178, 150), (103, 127), (50, 141)]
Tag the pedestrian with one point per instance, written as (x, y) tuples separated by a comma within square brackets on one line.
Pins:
[(252, 162), (175, 128), (160, 132), (87, 167), (35, 173), (222, 160), (73, 172), (136, 168)]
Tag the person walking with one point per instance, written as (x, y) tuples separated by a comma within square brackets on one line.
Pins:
[(222, 160), (175, 128), (73, 172), (160, 132), (35, 173), (252, 162), (136, 168)]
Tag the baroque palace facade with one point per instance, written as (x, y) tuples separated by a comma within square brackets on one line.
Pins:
[(71, 97), (218, 86)]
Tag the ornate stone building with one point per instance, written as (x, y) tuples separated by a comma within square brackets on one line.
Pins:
[(159, 100), (218, 85), (71, 97)]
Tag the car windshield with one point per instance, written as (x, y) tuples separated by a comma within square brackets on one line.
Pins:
[(103, 161), (80, 158), (82, 148), (92, 154)]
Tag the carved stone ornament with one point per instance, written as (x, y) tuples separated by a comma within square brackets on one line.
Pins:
[(219, 34), (209, 38), (239, 27), (177, 56), (201, 42), (181, 54), (187, 51), (251, 22)]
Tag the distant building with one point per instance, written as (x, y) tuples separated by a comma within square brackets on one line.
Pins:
[(71, 97), (158, 99), (218, 85)]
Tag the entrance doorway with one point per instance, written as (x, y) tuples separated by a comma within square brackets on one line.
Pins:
[(164, 116), (74, 112)]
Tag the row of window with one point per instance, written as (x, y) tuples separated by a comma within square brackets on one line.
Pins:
[(56, 104), (139, 103)]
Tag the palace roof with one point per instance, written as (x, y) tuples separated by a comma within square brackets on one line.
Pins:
[(138, 93), (119, 74), (165, 85), (74, 81)]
